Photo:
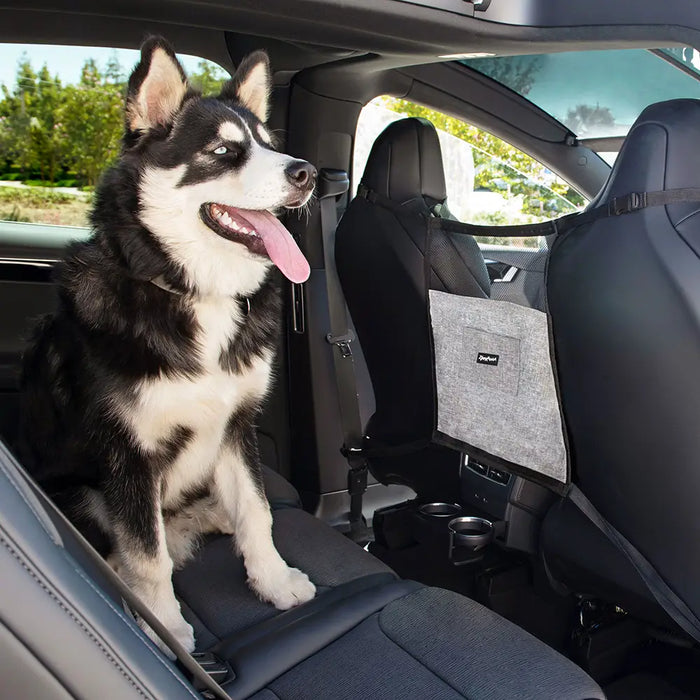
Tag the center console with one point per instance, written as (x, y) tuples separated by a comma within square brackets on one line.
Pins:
[(500, 496), (493, 506)]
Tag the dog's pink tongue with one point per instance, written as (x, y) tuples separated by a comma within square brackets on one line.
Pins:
[(279, 244)]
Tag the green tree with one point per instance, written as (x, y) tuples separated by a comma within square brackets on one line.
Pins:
[(26, 85), (46, 140), (46, 128), (30, 137), (209, 78), (6, 138), (114, 73), (498, 166), (90, 73), (91, 125), (20, 115)]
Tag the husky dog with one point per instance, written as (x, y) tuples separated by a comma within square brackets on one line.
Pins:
[(140, 393)]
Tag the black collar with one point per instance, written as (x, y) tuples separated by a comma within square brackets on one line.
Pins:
[(243, 302)]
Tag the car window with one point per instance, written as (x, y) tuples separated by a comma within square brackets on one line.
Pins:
[(61, 117), (597, 94), (488, 180)]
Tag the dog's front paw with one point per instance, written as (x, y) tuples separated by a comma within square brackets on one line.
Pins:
[(290, 588), (179, 628)]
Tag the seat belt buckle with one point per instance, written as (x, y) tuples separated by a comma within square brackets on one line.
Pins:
[(357, 481), (355, 456), (357, 474), (634, 201), (342, 342), (217, 669)]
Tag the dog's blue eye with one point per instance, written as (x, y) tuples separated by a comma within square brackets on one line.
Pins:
[(220, 150)]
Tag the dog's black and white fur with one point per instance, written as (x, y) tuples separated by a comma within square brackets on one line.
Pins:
[(141, 392)]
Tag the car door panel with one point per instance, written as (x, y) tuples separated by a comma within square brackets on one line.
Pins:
[(517, 274)]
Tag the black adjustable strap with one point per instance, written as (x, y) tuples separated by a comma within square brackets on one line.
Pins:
[(667, 599), (617, 206), (201, 680), (331, 185)]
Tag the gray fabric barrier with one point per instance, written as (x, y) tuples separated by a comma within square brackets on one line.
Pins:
[(495, 384)]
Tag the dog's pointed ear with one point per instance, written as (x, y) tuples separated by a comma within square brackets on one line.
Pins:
[(251, 85), (156, 87)]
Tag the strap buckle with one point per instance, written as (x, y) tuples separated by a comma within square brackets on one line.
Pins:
[(366, 193), (634, 201), (357, 481), (357, 474), (219, 671), (342, 342), (355, 456)]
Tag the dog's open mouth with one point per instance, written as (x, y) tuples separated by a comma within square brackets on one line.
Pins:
[(261, 233)]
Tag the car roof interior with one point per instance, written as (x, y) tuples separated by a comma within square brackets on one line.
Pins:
[(329, 59), (392, 47)]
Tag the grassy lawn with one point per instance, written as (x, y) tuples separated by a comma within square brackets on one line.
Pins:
[(42, 206)]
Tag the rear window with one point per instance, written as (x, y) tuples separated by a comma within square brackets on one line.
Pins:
[(61, 116), (597, 94)]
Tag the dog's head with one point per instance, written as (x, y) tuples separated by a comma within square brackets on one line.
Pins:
[(210, 178)]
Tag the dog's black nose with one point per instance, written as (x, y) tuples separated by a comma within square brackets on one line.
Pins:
[(301, 174)]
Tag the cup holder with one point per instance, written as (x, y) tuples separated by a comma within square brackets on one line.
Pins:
[(468, 537), (430, 521), (440, 510)]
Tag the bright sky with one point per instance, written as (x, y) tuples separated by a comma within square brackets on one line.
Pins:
[(67, 61)]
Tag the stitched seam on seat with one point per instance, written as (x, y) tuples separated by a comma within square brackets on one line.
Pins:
[(314, 613), (121, 614), (124, 672), (29, 505), (425, 666), (688, 216), (665, 207), (420, 162)]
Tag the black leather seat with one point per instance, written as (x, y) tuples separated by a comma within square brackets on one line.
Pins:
[(380, 256), (624, 294)]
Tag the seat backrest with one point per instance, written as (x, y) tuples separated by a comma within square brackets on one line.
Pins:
[(624, 296), (381, 264)]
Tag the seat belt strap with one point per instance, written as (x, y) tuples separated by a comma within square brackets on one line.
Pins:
[(332, 184), (200, 679), (676, 609)]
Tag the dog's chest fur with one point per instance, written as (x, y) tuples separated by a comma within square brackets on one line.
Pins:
[(197, 407)]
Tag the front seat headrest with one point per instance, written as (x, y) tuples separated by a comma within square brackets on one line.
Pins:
[(406, 163), (660, 153)]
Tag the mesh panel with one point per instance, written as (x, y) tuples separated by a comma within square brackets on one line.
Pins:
[(506, 283), (457, 266)]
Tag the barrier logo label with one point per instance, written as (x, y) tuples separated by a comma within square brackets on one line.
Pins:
[(487, 358)]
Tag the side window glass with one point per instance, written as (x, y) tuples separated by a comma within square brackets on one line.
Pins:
[(488, 181), (61, 120)]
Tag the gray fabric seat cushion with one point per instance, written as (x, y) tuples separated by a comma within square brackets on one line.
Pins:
[(362, 639), (434, 644), (212, 587)]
